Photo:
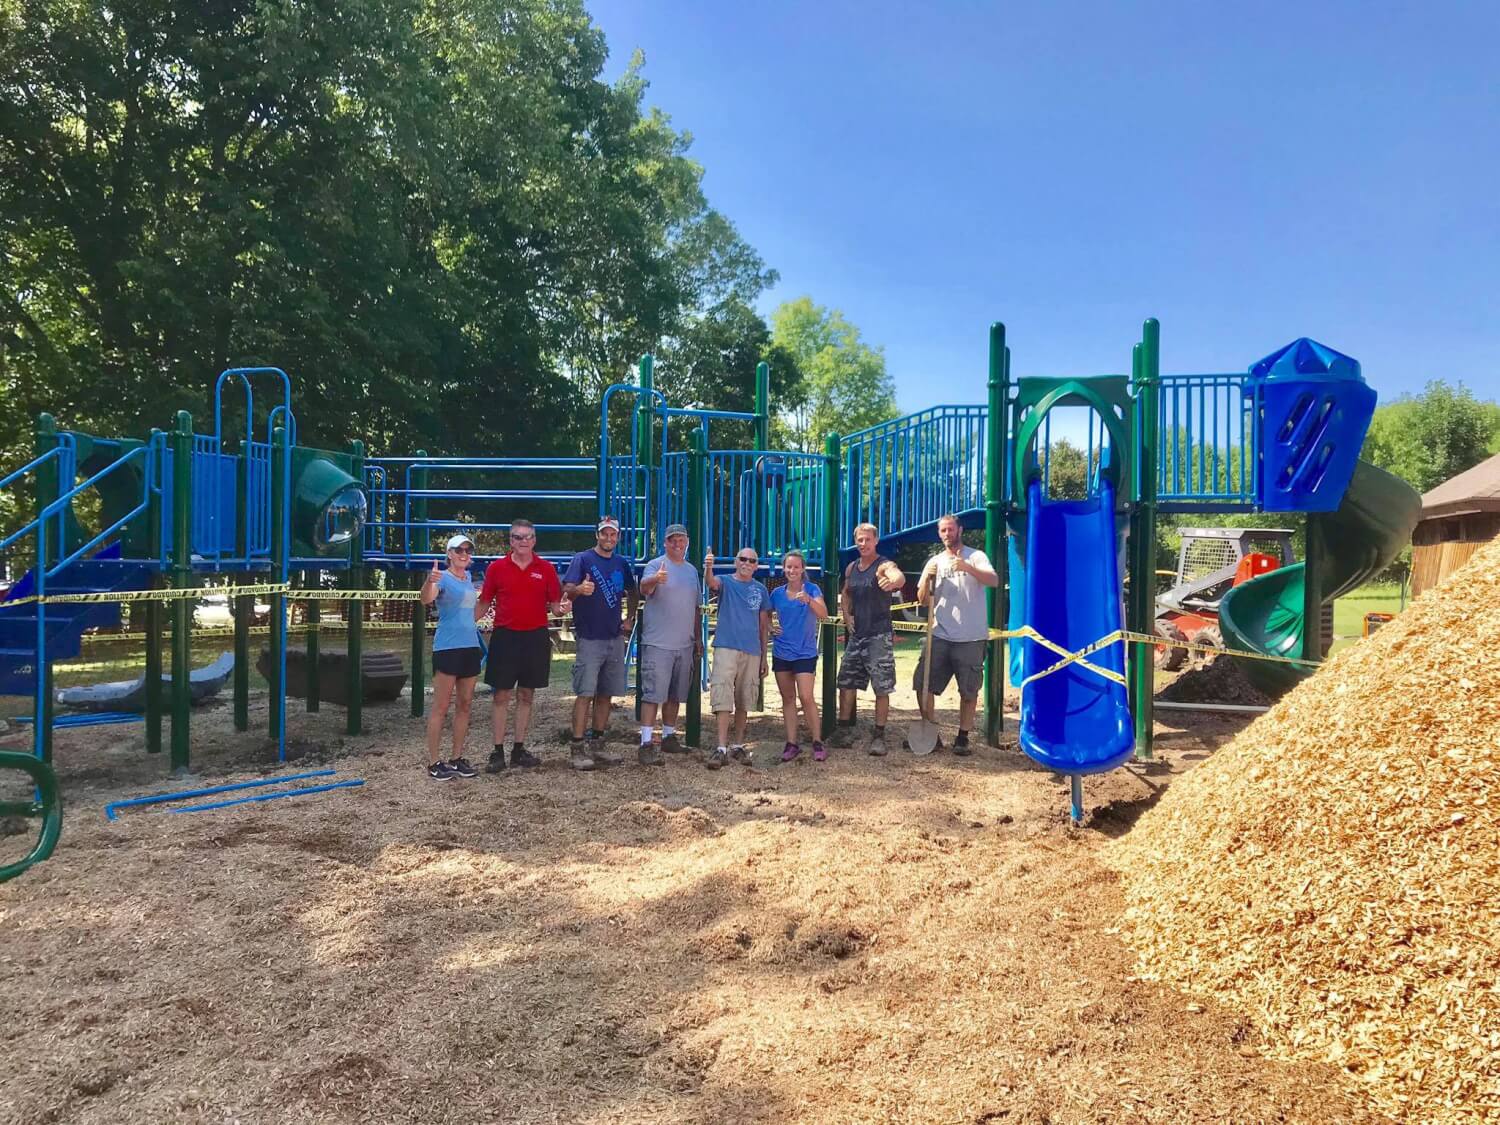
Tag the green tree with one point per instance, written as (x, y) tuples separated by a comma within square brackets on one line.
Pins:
[(847, 385), (433, 213), (1428, 438)]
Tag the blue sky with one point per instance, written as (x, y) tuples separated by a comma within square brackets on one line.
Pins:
[(1246, 174)]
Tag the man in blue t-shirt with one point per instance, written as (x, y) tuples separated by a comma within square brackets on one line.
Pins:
[(599, 582), (744, 625)]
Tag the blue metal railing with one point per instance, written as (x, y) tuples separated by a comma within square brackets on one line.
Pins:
[(1208, 441), (770, 501), (903, 474), (401, 527)]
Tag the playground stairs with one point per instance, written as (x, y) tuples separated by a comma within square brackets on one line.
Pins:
[(65, 624)]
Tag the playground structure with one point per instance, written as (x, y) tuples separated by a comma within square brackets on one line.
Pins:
[(248, 504)]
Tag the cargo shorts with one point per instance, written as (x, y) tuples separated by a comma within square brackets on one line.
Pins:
[(960, 660), (869, 660), (599, 667)]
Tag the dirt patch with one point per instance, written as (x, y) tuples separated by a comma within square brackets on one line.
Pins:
[(894, 939), (1219, 680)]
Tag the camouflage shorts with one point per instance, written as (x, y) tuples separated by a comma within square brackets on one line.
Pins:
[(869, 660)]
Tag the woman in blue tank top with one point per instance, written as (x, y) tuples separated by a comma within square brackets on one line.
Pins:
[(799, 609), (456, 657)]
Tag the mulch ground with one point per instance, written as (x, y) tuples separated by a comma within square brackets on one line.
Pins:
[(895, 939)]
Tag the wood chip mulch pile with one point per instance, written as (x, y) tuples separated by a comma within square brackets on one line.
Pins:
[(1335, 871)]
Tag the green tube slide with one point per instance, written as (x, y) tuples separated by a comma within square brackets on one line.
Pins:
[(1369, 529)]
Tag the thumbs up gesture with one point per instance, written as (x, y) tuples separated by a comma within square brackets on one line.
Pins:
[(801, 596), (708, 562), (586, 587), (435, 573)]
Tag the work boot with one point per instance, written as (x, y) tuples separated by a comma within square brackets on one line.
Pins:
[(578, 755), (877, 745), (961, 745), (602, 754), (523, 758), (716, 760), (741, 753), (496, 764), (671, 745), (650, 756)]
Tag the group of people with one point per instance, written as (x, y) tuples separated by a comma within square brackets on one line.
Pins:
[(599, 587)]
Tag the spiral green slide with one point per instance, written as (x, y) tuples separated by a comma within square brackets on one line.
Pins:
[(1369, 529)]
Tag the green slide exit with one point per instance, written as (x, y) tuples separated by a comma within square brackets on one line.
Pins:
[(1368, 530)]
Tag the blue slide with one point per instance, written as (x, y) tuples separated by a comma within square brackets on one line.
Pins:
[(1074, 721)]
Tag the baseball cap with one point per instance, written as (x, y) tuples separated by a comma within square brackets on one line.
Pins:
[(608, 521), (674, 529), (458, 541)]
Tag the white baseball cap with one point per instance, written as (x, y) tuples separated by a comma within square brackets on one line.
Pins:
[(457, 541)]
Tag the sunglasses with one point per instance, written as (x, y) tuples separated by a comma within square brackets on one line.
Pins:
[(521, 538), (461, 550), (746, 558)]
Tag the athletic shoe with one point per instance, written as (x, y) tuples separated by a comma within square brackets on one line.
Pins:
[(819, 754), (579, 756), (717, 760), (790, 751), (671, 745), (741, 753), (649, 755), (496, 764), (440, 771), (961, 745), (461, 767), (523, 758), (877, 746)]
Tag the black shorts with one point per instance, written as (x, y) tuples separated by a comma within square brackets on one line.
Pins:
[(519, 658), (800, 667), (460, 663)]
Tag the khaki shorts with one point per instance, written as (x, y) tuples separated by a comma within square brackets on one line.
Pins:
[(735, 682)]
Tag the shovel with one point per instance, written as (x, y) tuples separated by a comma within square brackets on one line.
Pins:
[(922, 736)]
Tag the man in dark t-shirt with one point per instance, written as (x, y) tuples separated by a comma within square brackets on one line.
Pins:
[(599, 582), (869, 655)]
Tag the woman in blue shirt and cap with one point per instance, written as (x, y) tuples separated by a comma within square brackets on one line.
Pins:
[(456, 657)]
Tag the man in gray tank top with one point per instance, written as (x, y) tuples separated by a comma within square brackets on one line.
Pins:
[(869, 656)]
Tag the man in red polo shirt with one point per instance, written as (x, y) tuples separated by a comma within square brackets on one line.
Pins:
[(522, 587)]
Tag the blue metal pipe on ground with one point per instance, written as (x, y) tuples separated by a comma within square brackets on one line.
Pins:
[(109, 809), (271, 796)]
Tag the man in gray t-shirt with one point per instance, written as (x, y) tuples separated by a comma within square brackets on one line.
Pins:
[(957, 578), (670, 642)]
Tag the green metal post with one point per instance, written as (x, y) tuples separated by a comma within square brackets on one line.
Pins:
[(645, 447), (313, 612), (182, 578), (153, 614), (1146, 369), (832, 573), (1312, 588), (279, 550), (696, 490), (48, 489), (997, 449), (242, 608), (418, 610), (762, 443), (356, 609), (244, 614)]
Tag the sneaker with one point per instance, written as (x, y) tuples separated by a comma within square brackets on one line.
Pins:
[(717, 760), (877, 746), (461, 767), (522, 758), (741, 753), (819, 754), (791, 751), (440, 771), (650, 756), (671, 745), (579, 755), (496, 764), (961, 745)]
